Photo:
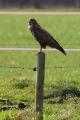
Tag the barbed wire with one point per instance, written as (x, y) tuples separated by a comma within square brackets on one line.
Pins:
[(61, 67), (46, 67)]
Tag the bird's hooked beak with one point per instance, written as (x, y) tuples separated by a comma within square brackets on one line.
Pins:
[(30, 24)]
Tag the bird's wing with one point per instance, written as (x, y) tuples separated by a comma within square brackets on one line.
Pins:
[(46, 37), (50, 41)]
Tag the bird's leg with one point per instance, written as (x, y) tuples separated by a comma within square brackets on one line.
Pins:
[(41, 49)]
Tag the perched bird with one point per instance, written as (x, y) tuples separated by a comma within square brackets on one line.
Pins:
[(43, 37)]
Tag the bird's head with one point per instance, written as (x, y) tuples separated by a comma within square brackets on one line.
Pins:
[(32, 23)]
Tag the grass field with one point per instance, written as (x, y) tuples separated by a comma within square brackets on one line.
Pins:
[(17, 79)]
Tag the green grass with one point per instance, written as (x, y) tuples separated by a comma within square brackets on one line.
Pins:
[(18, 84)]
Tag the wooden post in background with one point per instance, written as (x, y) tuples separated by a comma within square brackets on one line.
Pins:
[(40, 85)]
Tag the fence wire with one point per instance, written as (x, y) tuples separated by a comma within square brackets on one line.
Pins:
[(47, 67), (32, 49)]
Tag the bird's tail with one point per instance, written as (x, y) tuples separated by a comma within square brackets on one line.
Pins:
[(61, 49), (58, 47)]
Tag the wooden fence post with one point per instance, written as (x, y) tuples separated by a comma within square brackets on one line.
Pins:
[(40, 85)]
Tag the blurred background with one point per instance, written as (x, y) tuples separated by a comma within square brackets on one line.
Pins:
[(40, 4)]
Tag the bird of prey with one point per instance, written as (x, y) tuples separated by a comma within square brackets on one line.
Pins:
[(43, 37)]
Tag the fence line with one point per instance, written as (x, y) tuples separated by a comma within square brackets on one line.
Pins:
[(47, 67), (38, 13), (37, 49)]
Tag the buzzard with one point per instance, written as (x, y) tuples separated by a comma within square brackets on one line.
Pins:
[(43, 37)]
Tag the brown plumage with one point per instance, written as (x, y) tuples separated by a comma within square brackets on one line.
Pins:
[(43, 37)]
